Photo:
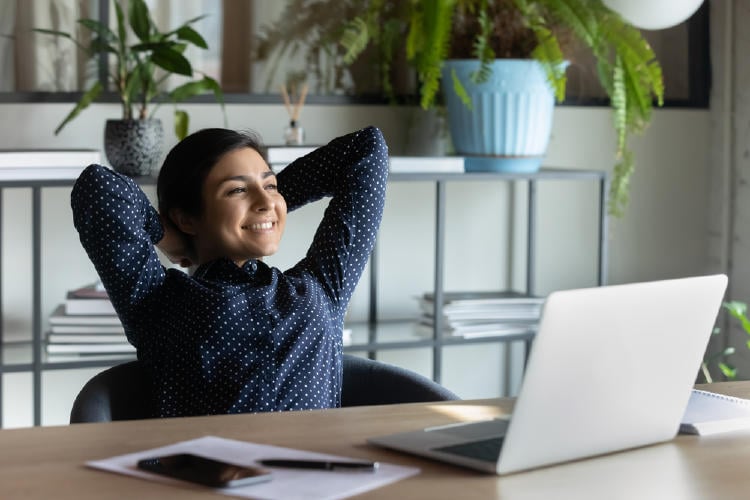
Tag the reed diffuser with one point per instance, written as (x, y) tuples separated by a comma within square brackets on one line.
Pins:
[(294, 134)]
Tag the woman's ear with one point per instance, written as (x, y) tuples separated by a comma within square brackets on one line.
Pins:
[(183, 221)]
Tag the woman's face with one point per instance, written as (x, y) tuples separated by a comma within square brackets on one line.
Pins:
[(243, 213)]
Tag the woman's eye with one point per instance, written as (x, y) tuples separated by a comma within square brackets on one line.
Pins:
[(237, 190), (271, 187)]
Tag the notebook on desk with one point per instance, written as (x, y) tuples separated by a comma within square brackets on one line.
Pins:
[(611, 368)]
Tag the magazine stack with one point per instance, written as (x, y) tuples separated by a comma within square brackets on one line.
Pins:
[(86, 326), (482, 314)]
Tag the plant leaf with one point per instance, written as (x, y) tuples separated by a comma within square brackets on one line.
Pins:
[(435, 43), (188, 34), (181, 124), (460, 90), (171, 60), (739, 311), (140, 22), (188, 89), (355, 38), (218, 95), (53, 32), (87, 98), (96, 27), (729, 371), (619, 188)]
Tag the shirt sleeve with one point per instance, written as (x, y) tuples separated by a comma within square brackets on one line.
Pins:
[(353, 170), (118, 228)]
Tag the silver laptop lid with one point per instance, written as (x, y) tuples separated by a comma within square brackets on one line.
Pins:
[(611, 368)]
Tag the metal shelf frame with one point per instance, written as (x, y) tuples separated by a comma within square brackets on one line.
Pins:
[(532, 180)]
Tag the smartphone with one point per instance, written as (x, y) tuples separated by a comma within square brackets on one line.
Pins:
[(205, 471)]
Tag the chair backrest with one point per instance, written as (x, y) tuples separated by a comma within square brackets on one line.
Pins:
[(370, 382), (122, 392)]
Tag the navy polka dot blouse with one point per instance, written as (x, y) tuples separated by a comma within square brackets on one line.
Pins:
[(232, 339)]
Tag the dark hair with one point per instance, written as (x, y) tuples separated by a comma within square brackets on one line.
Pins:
[(187, 165)]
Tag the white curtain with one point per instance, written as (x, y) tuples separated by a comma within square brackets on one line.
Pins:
[(169, 14), (7, 61), (42, 62)]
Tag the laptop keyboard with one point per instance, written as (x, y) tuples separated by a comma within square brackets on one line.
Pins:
[(486, 449)]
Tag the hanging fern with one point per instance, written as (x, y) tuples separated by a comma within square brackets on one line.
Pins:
[(431, 45), (436, 30)]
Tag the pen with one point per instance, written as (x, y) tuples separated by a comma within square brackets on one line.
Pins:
[(320, 465)]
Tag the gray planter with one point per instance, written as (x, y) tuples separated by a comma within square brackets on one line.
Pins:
[(133, 147)]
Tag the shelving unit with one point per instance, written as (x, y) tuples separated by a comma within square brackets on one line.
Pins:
[(371, 337), (441, 180)]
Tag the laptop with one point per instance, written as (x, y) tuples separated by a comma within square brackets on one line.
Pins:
[(611, 368)]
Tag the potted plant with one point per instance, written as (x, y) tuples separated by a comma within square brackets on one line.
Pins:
[(133, 144), (480, 34)]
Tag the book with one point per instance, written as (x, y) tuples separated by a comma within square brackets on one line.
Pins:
[(59, 317), (90, 348), (48, 158), (88, 306), (88, 300), (489, 305), (713, 413), (502, 297), (86, 338), (57, 357), (87, 329), (426, 164), (478, 330), (93, 291)]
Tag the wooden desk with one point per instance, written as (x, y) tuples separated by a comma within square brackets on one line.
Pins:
[(46, 462)]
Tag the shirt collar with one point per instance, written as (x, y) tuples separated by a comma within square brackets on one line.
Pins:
[(224, 269)]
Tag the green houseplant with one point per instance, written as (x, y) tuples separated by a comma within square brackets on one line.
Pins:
[(432, 32), (737, 310), (136, 76)]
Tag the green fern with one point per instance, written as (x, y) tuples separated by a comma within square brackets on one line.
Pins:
[(626, 65), (435, 28), (355, 38), (482, 49)]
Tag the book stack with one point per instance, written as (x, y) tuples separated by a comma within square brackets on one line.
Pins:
[(86, 325), (482, 314), (25, 164)]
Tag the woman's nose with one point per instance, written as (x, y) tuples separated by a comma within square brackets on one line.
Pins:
[(263, 202)]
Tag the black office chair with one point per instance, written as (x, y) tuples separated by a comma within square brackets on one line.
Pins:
[(122, 391)]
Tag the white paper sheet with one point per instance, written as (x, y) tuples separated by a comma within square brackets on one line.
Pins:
[(286, 483)]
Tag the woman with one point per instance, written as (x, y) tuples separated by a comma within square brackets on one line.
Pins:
[(236, 336)]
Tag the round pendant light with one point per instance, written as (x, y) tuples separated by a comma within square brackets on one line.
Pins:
[(654, 14)]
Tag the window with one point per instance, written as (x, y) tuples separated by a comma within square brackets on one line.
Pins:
[(244, 54)]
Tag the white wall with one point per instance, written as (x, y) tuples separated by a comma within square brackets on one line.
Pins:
[(662, 235)]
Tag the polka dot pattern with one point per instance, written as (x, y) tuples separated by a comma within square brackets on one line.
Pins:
[(232, 339)]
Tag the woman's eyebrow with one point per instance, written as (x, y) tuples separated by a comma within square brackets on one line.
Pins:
[(245, 178)]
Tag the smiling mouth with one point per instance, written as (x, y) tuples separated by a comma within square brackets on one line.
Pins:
[(261, 226)]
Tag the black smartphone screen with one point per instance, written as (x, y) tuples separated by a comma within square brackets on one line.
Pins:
[(205, 471)]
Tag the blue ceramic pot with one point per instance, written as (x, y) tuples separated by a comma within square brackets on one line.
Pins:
[(509, 127)]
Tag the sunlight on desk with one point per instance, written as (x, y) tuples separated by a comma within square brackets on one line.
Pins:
[(473, 411)]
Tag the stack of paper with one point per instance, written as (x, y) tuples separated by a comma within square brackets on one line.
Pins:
[(482, 314), (86, 325), (712, 413)]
